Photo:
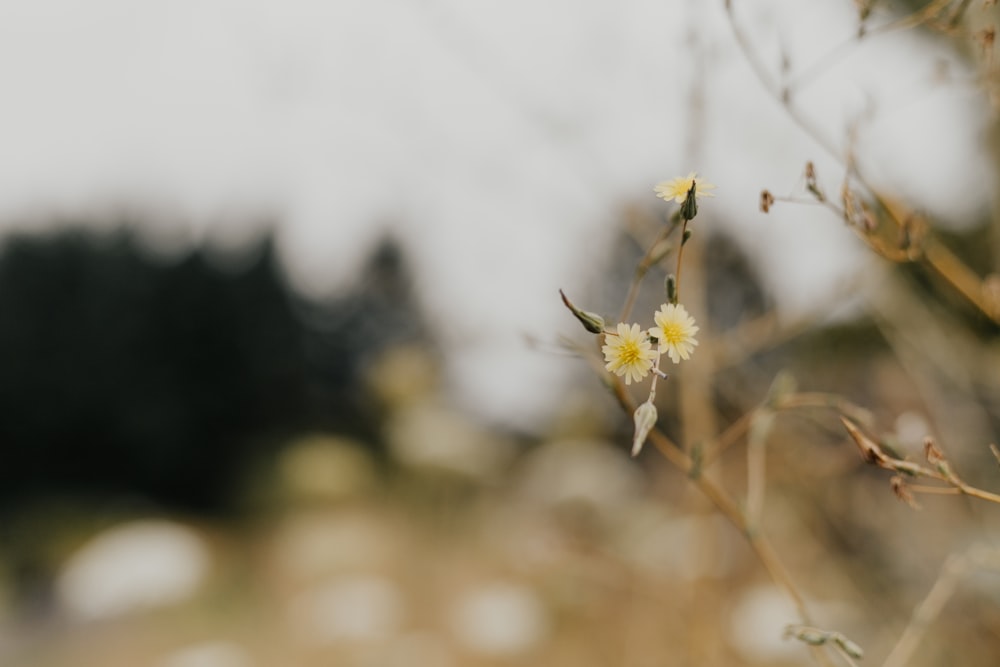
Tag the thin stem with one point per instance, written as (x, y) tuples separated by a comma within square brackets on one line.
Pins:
[(727, 438), (939, 258), (645, 264), (934, 490), (680, 256), (959, 276), (926, 612), (809, 72), (723, 502), (978, 493), (656, 377), (777, 91), (757, 465), (815, 399), (873, 453), (804, 201)]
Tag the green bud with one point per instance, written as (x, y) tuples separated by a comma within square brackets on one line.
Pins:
[(686, 236), (808, 635), (670, 285), (592, 322), (689, 208), (850, 648), (812, 637)]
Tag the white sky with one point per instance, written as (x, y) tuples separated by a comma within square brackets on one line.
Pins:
[(497, 139)]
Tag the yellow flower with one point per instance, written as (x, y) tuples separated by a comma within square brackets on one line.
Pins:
[(629, 352), (678, 188), (675, 331)]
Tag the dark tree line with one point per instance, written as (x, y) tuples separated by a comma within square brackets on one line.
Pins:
[(123, 374)]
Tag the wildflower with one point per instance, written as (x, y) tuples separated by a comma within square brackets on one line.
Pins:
[(678, 188), (645, 420), (629, 352), (675, 331)]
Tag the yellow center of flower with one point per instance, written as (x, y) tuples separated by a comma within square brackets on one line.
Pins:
[(629, 353), (673, 333)]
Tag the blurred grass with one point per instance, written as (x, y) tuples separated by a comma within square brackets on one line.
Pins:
[(571, 552)]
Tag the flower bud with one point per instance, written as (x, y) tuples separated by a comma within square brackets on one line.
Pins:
[(850, 648), (670, 285), (645, 420), (689, 208), (592, 322), (812, 637)]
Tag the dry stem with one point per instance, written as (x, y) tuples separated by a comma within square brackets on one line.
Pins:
[(941, 469), (726, 506), (931, 252), (955, 567), (647, 262)]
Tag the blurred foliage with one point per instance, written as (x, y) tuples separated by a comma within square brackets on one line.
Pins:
[(159, 378), (470, 548)]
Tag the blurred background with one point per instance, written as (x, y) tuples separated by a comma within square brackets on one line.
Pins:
[(285, 378)]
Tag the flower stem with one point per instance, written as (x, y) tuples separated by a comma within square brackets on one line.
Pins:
[(647, 262), (680, 256), (724, 503)]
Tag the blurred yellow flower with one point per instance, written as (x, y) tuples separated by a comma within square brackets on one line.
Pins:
[(629, 352), (678, 188), (675, 331)]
